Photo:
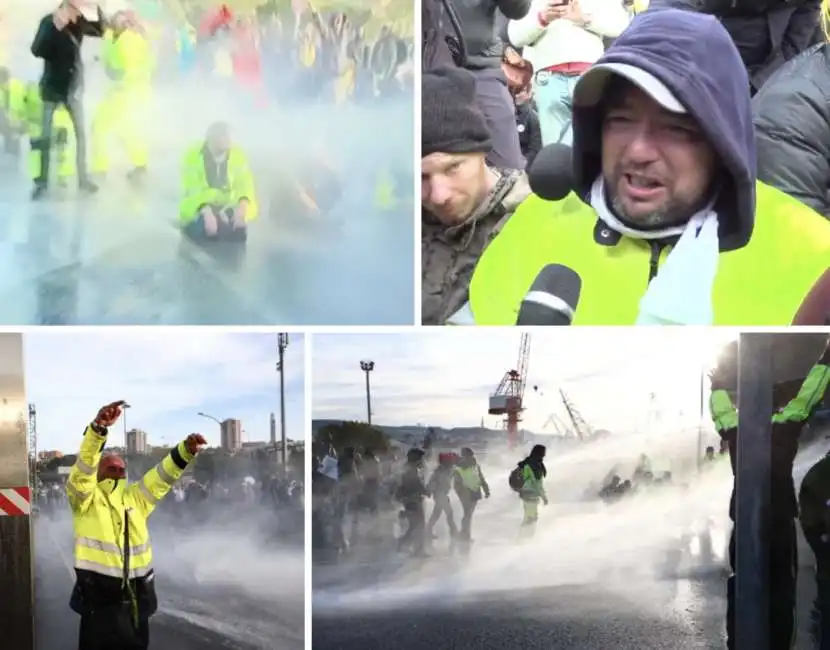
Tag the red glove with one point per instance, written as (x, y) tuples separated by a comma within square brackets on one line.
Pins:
[(194, 443), (109, 414)]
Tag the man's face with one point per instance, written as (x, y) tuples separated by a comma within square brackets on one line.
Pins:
[(453, 185), (658, 166), (219, 143), (73, 10)]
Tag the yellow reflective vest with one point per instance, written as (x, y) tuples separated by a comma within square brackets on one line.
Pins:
[(128, 57), (98, 511), (763, 283), (198, 193), (470, 477)]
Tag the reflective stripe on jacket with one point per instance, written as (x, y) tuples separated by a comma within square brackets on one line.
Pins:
[(99, 516)]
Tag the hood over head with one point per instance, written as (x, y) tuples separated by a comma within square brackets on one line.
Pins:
[(688, 63)]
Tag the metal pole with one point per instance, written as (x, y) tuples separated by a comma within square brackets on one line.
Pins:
[(17, 565), (282, 343), (368, 367), (752, 491), (700, 449)]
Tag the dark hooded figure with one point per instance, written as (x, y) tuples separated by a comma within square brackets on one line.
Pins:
[(533, 472), (666, 200)]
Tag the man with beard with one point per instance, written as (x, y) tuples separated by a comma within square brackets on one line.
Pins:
[(464, 200), (667, 222)]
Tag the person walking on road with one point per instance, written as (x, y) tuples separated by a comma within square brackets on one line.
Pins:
[(470, 485), (115, 589), (58, 42), (529, 481)]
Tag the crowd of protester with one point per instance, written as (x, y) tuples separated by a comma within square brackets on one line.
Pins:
[(674, 155)]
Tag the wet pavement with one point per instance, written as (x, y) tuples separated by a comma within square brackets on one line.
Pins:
[(199, 609), (118, 258)]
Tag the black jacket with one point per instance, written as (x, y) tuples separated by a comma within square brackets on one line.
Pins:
[(530, 132), (767, 33), (791, 114), (61, 53)]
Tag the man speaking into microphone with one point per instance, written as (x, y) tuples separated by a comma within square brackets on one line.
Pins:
[(666, 223)]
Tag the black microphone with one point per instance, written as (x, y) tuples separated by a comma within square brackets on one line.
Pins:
[(551, 175), (552, 298)]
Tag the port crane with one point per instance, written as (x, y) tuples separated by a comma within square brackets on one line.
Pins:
[(508, 398)]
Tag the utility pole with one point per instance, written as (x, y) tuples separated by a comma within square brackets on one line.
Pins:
[(16, 577), (282, 344), (752, 490), (368, 366)]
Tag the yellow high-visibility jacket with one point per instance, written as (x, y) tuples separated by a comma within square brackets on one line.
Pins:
[(128, 58), (197, 192), (26, 107), (98, 510)]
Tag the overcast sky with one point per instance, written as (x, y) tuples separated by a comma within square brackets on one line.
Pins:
[(444, 377), (167, 376)]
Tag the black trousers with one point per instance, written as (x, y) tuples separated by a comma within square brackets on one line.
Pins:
[(783, 571), (44, 145), (415, 534), (100, 631), (821, 605)]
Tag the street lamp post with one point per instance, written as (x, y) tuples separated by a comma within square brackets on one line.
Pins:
[(282, 344), (368, 366), (218, 421)]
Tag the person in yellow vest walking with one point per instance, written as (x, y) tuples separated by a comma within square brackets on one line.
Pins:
[(470, 485), (528, 479), (115, 590), (667, 222), (122, 113)]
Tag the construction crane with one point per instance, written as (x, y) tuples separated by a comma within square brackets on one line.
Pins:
[(508, 398), (579, 427)]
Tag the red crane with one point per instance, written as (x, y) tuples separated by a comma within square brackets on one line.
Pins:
[(508, 398)]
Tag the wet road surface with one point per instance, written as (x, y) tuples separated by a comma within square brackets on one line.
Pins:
[(118, 258), (201, 606)]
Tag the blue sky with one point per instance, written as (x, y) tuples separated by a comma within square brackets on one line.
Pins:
[(167, 376), (444, 377)]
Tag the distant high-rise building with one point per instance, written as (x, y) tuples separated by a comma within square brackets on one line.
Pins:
[(273, 429), (136, 441), (231, 431)]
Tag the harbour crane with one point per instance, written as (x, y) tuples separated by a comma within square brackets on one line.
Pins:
[(508, 398)]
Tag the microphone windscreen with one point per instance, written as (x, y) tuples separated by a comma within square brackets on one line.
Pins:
[(551, 173), (559, 281)]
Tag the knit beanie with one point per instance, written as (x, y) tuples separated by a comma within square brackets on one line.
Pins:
[(451, 121)]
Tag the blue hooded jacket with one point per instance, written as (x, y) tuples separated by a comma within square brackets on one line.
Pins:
[(694, 56)]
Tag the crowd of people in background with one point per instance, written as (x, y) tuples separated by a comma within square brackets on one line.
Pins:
[(274, 58), (382, 500), (543, 106)]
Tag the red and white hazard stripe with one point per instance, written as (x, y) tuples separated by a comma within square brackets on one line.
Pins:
[(15, 502)]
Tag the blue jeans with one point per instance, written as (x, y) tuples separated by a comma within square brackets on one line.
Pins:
[(553, 92)]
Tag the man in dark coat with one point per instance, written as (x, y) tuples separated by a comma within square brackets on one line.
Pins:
[(58, 42)]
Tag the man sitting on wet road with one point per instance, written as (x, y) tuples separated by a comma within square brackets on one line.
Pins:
[(218, 198)]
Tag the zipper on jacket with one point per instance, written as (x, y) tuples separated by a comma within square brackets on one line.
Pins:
[(654, 259)]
